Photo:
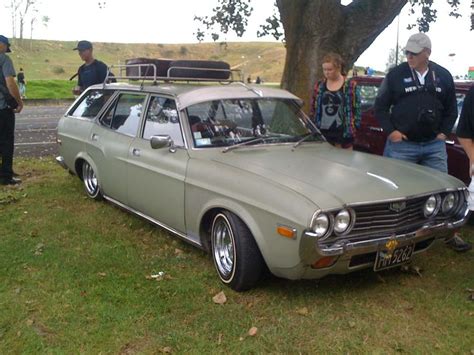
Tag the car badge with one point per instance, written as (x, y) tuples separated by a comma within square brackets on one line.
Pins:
[(391, 245), (398, 206)]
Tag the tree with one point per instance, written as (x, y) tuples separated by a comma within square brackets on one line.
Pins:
[(315, 27)]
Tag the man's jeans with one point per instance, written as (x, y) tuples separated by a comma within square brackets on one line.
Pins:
[(431, 154)]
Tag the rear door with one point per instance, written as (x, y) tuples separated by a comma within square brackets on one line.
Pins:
[(109, 142)]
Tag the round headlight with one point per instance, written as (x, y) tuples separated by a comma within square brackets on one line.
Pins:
[(449, 201), (321, 225), (342, 221), (430, 206)]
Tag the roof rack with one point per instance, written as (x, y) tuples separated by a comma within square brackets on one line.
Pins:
[(173, 74)]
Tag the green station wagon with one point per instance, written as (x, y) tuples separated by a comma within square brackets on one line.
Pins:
[(241, 172)]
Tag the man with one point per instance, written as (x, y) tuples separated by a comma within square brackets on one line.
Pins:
[(465, 133), (20, 79), (92, 72), (416, 106), (7, 115)]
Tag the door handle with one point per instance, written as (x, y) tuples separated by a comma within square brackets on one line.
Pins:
[(375, 129), (94, 137), (135, 152)]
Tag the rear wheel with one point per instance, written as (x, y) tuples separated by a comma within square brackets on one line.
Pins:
[(236, 256), (91, 183)]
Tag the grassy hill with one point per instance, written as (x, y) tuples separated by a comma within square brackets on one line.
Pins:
[(56, 60)]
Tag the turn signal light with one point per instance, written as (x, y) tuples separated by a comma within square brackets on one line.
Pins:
[(324, 262), (286, 231)]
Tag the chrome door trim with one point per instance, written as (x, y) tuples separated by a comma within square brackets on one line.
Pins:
[(154, 221)]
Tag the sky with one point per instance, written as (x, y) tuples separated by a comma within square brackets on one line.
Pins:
[(171, 21)]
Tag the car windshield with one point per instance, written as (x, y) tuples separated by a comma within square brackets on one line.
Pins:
[(231, 122)]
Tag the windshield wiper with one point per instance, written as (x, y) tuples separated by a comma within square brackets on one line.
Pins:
[(309, 135)]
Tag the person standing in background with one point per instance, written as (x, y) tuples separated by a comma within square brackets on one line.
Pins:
[(20, 79), (8, 89), (92, 72), (335, 107)]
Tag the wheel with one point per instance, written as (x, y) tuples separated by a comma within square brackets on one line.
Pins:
[(91, 184), (235, 253)]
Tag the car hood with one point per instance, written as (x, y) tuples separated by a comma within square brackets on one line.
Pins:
[(331, 177)]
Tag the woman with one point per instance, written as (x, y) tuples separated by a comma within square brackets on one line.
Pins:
[(336, 104)]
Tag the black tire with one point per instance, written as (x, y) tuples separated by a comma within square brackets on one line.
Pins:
[(91, 183), (235, 253), (196, 69)]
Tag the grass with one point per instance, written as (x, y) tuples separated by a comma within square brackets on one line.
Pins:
[(75, 278), (50, 89)]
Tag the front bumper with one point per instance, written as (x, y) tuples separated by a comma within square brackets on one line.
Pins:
[(350, 256)]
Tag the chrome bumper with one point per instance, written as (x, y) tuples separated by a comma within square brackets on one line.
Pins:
[(61, 162)]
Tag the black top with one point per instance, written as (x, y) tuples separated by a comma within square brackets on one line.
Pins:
[(91, 74), (20, 77), (466, 121), (419, 111)]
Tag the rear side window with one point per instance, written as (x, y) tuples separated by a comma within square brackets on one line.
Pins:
[(124, 115), (368, 93), (91, 103)]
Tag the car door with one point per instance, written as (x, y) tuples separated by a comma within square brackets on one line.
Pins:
[(156, 176), (74, 128), (109, 142)]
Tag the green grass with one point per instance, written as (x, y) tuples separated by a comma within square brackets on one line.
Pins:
[(50, 89), (73, 279)]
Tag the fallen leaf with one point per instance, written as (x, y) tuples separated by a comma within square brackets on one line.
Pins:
[(302, 311), (17, 290), (178, 252), (471, 297), (352, 324), (220, 298), (241, 338), (470, 290), (102, 274), (167, 350), (253, 331), (219, 339), (380, 278), (29, 322)]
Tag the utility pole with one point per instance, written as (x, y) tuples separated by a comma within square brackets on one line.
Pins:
[(396, 47)]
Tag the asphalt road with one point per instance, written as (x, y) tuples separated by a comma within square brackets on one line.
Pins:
[(36, 130)]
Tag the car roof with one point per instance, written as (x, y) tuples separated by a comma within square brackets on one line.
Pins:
[(190, 94)]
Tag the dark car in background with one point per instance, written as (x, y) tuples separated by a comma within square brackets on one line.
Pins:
[(371, 136)]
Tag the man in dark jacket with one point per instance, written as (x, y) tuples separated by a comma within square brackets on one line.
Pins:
[(7, 114), (416, 106), (92, 72)]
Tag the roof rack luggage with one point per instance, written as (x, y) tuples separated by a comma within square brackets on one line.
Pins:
[(177, 70)]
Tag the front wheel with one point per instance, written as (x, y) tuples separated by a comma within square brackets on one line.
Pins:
[(236, 256), (91, 183)]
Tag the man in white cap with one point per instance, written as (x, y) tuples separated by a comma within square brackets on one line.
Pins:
[(416, 106), (10, 103)]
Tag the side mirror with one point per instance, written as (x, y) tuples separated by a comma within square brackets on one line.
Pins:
[(162, 141)]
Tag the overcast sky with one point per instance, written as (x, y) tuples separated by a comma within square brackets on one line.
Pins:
[(165, 21)]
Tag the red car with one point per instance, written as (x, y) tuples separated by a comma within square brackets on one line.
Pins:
[(371, 137)]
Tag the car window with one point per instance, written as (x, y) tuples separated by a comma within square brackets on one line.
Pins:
[(91, 103), (368, 93), (162, 119), (233, 121), (124, 115)]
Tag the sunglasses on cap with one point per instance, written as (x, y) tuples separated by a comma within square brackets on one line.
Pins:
[(407, 53)]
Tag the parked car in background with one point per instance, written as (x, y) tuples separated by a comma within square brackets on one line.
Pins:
[(241, 172), (371, 137)]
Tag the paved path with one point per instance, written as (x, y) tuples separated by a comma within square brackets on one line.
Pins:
[(36, 130)]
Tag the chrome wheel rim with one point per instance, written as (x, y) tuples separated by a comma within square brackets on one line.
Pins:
[(223, 246), (90, 180)]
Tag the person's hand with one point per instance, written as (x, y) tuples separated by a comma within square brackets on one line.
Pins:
[(441, 137), (19, 108), (397, 136)]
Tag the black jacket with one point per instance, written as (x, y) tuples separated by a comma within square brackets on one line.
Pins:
[(465, 127), (420, 112)]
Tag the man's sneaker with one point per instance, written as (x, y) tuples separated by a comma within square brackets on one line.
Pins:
[(457, 244), (10, 181)]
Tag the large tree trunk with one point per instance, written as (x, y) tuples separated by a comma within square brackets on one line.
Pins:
[(316, 27)]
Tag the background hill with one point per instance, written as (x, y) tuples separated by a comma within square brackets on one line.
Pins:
[(43, 59)]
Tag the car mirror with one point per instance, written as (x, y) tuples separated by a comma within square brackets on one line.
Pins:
[(161, 141)]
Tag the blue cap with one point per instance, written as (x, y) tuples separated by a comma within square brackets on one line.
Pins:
[(4, 40), (83, 45)]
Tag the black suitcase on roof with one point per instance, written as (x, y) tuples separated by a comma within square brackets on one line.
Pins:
[(148, 71), (199, 69)]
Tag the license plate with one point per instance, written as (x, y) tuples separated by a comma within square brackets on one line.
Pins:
[(398, 256)]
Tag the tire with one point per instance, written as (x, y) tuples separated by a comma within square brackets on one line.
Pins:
[(235, 253), (91, 183)]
